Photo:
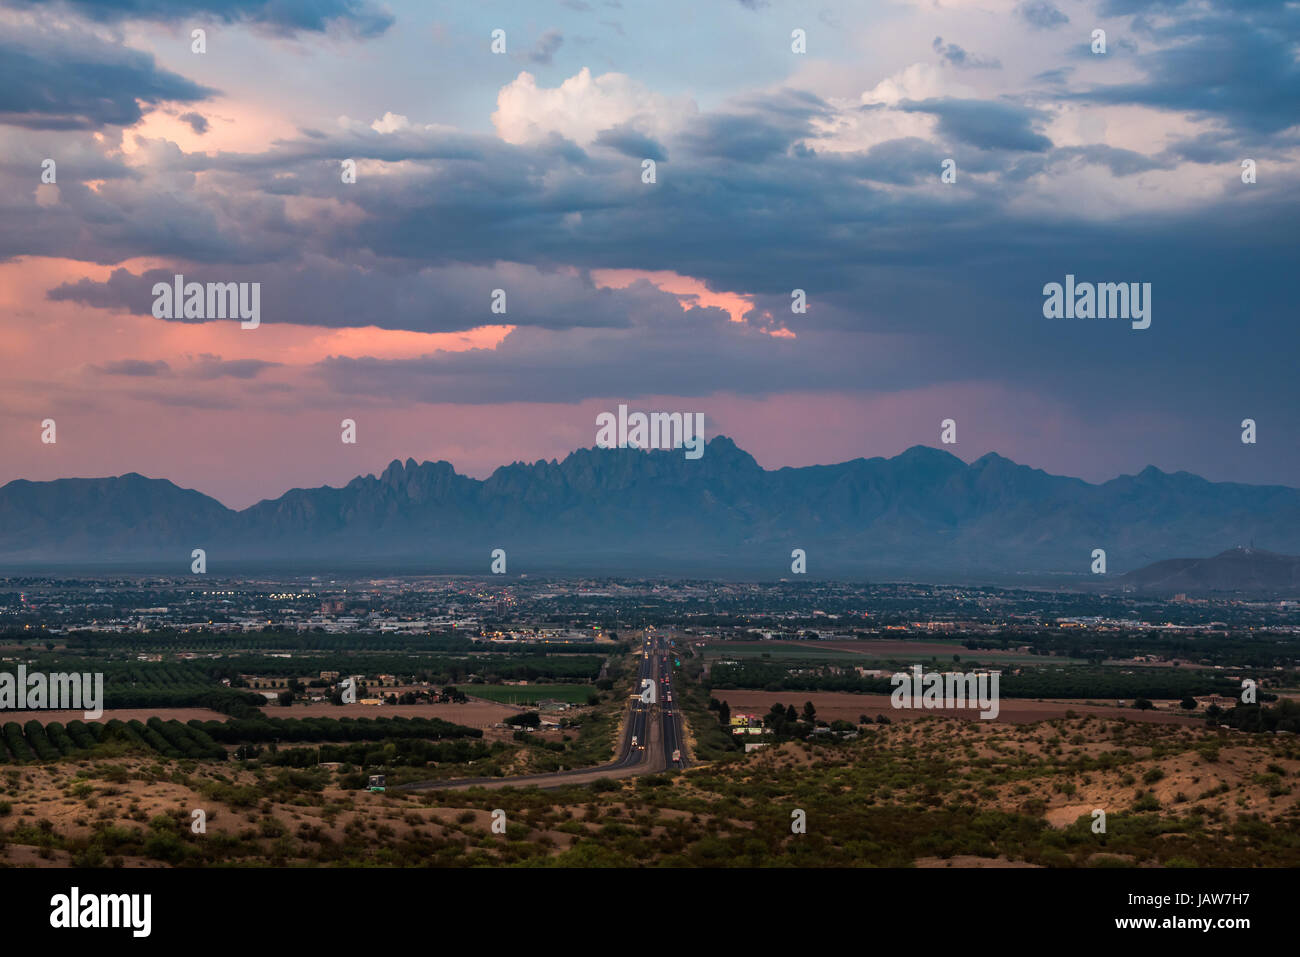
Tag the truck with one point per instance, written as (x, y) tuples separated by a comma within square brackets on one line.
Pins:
[(376, 782)]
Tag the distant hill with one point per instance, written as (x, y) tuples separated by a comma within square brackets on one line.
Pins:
[(1241, 570), (624, 511)]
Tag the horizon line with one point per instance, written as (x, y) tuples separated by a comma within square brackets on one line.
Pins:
[(403, 464)]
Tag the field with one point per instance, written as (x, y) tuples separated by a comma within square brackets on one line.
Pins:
[(472, 714), (809, 650), (866, 651), (530, 694), (846, 706)]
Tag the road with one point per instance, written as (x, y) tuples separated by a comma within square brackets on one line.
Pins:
[(650, 741)]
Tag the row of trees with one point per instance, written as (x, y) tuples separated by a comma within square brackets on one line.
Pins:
[(1060, 682), (257, 730)]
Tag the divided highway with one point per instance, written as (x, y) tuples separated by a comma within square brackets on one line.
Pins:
[(651, 739)]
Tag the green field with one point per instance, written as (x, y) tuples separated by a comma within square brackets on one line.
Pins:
[(810, 651), (530, 694), (803, 650)]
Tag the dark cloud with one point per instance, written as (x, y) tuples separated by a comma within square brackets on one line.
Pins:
[(544, 49), (985, 124), (1234, 63), (956, 56), (68, 79), (215, 367), (137, 368), (631, 142), (1206, 148), (357, 17), (431, 299), (1120, 162), (197, 122), (903, 161), (912, 284), (769, 126), (1041, 14)]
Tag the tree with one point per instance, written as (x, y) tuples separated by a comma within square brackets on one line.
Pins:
[(529, 719), (790, 713), (809, 712), (286, 698), (1142, 704), (1189, 703)]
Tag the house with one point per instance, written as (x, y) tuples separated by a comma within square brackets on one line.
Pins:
[(746, 724)]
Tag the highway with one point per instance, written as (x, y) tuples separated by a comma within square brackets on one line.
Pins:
[(651, 739)]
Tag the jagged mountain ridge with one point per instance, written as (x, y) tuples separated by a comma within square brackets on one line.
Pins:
[(621, 509)]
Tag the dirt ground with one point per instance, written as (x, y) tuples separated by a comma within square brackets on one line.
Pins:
[(473, 714), (1228, 782)]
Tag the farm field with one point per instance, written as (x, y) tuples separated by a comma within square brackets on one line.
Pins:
[(473, 714), (846, 706), (808, 650), (530, 694), (867, 650)]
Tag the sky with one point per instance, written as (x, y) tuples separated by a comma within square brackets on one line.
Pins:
[(775, 170)]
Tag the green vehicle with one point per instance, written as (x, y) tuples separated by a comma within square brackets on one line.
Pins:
[(376, 782)]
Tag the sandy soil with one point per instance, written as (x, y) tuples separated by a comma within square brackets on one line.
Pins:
[(967, 860)]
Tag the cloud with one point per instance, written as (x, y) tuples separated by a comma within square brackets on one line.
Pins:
[(631, 142), (136, 368), (956, 56), (65, 79), (357, 17), (581, 107), (1235, 64), (197, 122), (986, 124), (1041, 14), (545, 48), (214, 367)]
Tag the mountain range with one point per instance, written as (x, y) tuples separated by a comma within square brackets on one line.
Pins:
[(922, 512), (1238, 570)]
